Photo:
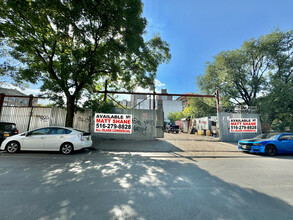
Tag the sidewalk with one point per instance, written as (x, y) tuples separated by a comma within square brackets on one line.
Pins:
[(181, 145)]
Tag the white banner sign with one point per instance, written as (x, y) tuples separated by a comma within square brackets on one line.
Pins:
[(113, 123), (243, 125)]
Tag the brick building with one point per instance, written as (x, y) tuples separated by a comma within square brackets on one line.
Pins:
[(16, 101)]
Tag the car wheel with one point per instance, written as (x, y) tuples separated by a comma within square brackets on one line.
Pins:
[(270, 150), (12, 147), (66, 148)]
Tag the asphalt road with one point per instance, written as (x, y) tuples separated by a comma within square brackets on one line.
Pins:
[(92, 184)]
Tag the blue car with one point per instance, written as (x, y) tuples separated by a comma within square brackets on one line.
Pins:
[(269, 144)]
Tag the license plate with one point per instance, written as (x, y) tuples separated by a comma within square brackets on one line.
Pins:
[(88, 138), (6, 135)]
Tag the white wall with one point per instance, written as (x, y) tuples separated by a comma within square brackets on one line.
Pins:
[(144, 104), (171, 106), (168, 106)]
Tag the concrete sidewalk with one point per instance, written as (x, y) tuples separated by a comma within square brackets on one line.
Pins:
[(184, 145), (135, 146)]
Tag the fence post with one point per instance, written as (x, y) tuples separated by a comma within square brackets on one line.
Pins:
[(1, 102), (90, 119), (30, 104), (29, 120)]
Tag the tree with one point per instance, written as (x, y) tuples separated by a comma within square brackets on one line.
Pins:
[(196, 108), (259, 73), (276, 106), (200, 107), (72, 45), (239, 74), (174, 116)]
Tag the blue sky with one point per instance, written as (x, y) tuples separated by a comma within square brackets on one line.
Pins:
[(199, 29)]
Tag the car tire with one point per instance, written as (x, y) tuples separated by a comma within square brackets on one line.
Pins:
[(66, 148), (270, 150), (12, 147)]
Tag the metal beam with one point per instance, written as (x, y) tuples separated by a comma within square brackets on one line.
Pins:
[(160, 94)]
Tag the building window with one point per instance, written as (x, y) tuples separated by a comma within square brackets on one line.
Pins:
[(5, 104), (6, 98), (20, 101), (13, 99), (26, 101)]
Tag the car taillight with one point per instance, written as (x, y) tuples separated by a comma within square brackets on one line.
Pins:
[(81, 137), (16, 131)]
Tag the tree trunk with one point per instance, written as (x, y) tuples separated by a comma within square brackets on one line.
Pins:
[(70, 111)]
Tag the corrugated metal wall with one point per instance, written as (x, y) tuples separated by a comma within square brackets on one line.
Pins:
[(42, 117), (58, 116), (82, 120), (18, 115)]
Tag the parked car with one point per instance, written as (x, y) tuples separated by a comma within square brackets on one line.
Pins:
[(7, 129), (172, 128), (269, 144), (62, 139)]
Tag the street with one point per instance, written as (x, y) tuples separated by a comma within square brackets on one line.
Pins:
[(203, 179)]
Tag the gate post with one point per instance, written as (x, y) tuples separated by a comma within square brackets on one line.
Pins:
[(154, 98), (217, 100)]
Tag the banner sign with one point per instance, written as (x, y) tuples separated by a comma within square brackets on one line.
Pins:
[(243, 125), (113, 123)]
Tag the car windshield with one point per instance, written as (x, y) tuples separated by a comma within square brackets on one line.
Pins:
[(267, 135), (261, 136), (274, 137)]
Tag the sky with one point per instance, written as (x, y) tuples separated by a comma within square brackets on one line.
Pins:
[(197, 30)]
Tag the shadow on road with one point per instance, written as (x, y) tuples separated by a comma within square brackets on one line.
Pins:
[(125, 186), (135, 146)]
